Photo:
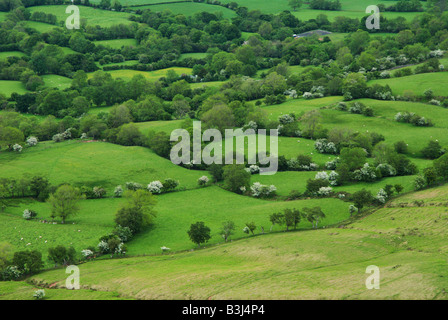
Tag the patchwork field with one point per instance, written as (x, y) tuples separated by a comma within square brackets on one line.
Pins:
[(407, 244)]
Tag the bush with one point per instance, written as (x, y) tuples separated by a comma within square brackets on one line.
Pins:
[(259, 190), (39, 294), (29, 214), (202, 181), (401, 147), (155, 187)]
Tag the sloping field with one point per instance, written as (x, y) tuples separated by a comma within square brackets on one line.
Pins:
[(417, 83), (91, 15), (407, 244), (90, 163)]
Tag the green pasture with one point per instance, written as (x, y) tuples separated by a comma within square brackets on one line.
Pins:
[(407, 244), (117, 43), (89, 15), (93, 164), (150, 75), (190, 8), (417, 83)]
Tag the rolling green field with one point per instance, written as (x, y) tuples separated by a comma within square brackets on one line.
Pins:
[(9, 86), (405, 236), (90, 15), (150, 75), (89, 163), (6, 54), (190, 8), (117, 43), (417, 83), (407, 244)]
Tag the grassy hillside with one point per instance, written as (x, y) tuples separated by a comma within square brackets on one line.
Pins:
[(90, 163), (90, 15), (417, 83), (407, 244)]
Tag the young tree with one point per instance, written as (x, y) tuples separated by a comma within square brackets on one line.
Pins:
[(61, 255), (314, 215), (295, 4), (236, 177), (311, 121), (276, 218), (138, 210), (227, 229), (292, 218), (398, 188), (441, 166), (361, 198), (199, 233), (65, 201), (251, 226), (28, 261)]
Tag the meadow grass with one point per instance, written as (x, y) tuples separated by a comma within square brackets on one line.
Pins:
[(150, 75), (117, 43), (196, 55), (407, 244), (19, 290), (89, 15), (7, 87), (93, 164), (417, 83), (190, 8), (4, 55), (56, 81), (384, 111), (40, 26)]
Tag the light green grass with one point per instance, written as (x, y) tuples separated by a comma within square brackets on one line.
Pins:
[(151, 75), (7, 87), (165, 126), (299, 106), (417, 83), (415, 137), (197, 55), (6, 54), (190, 8), (93, 164), (56, 81), (407, 244), (92, 16), (40, 26), (117, 43)]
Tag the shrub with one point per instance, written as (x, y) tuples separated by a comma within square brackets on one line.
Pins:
[(366, 174), (419, 183), (39, 294), (99, 192), (31, 141), (29, 214), (324, 191), (262, 191), (202, 181), (118, 192), (17, 148), (324, 146), (155, 187), (170, 184), (401, 147), (433, 150), (381, 196)]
